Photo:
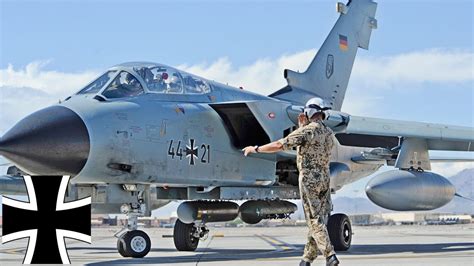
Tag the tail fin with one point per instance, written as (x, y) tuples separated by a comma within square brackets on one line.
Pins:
[(328, 74)]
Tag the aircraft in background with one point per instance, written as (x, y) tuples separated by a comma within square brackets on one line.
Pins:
[(144, 134)]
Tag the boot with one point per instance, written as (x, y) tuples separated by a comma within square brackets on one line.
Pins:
[(304, 263), (332, 261)]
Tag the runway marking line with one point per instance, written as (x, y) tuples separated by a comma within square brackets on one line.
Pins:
[(277, 244)]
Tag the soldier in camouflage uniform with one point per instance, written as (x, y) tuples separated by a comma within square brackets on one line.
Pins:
[(314, 142)]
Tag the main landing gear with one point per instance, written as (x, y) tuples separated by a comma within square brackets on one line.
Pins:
[(187, 236), (340, 231)]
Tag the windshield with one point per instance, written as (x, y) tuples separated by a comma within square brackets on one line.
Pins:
[(97, 84), (124, 85)]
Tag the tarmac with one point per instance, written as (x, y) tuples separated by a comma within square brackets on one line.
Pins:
[(371, 245)]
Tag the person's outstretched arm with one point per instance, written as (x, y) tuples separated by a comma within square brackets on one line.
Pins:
[(297, 137)]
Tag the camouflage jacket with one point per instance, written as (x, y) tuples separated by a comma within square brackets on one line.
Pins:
[(314, 143)]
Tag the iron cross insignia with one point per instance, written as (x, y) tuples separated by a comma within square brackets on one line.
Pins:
[(191, 152), (46, 219)]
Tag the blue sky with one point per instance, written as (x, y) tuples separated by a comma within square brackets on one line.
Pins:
[(80, 35), (419, 66), (77, 36)]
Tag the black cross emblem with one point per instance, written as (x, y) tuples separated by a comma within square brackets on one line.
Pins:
[(46, 219), (191, 151)]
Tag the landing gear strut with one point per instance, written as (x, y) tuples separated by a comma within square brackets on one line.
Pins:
[(187, 236), (340, 231)]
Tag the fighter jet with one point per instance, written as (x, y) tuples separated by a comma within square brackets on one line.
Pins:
[(144, 134)]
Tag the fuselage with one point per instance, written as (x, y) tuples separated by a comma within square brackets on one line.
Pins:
[(174, 137)]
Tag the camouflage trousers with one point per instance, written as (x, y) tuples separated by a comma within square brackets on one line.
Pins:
[(316, 199)]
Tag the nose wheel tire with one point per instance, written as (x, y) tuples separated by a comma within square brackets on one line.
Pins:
[(340, 231), (184, 236), (135, 244), (121, 248)]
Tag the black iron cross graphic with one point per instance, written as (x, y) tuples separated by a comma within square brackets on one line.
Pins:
[(47, 223), (191, 152)]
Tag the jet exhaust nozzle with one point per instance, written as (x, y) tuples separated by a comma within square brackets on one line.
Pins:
[(406, 190), (51, 141)]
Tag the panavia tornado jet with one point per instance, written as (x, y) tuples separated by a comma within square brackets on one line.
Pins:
[(144, 134)]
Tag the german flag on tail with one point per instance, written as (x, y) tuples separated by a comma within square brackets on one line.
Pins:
[(343, 42)]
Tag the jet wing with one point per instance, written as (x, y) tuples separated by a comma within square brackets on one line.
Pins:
[(437, 136)]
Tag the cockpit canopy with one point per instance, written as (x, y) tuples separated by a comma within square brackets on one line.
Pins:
[(123, 85), (133, 79)]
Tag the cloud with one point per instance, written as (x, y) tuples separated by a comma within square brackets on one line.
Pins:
[(263, 76), (266, 75), (414, 68), (370, 74), (23, 91), (51, 82), (18, 102)]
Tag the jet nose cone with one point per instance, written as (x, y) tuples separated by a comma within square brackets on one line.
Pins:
[(51, 141)]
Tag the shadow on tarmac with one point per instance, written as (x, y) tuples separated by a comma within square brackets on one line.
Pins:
[(216, 254)]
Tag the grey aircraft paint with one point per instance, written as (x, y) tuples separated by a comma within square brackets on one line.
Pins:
[(144, 134), (178, 136)]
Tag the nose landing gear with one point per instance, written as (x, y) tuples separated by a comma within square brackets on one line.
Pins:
[(132, 242), (135, 244)]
